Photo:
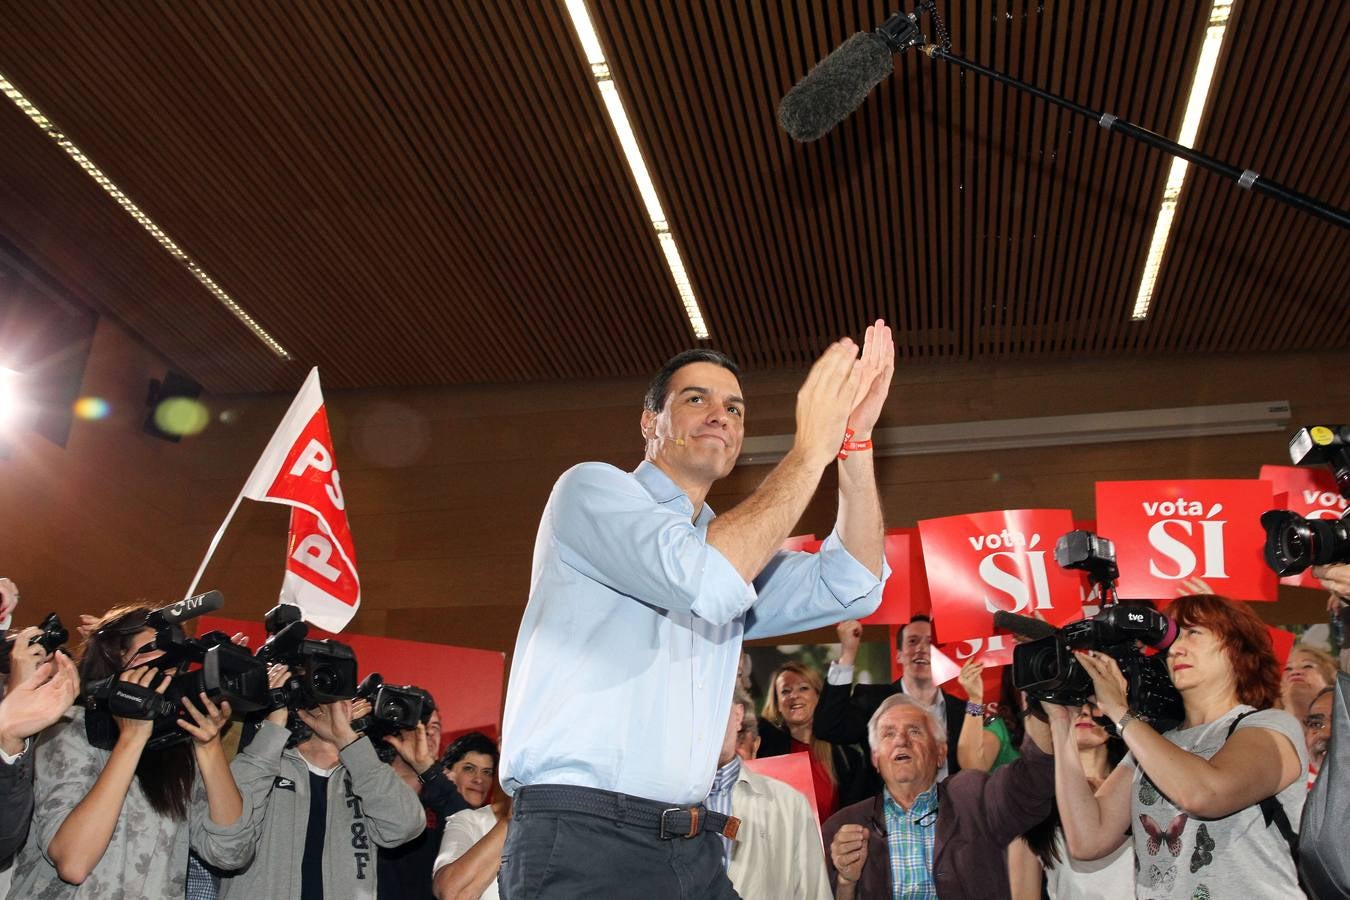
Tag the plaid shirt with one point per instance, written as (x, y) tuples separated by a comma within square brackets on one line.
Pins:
[(909, 837)]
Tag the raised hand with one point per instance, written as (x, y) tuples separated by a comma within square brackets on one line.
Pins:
[(331, 722), (207, 723), (141, 729), (24, 656), (415, 747), (37, 702), (875, 369), (971, 679), (824, 402)]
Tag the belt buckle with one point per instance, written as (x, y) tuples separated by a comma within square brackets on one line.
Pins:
[(693, 823)]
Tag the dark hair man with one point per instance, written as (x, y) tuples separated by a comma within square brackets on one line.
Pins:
[(623, 670)]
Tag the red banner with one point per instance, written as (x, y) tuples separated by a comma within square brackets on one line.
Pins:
[(1312, 494), (980, 563), (1185, 537), (906, 592)]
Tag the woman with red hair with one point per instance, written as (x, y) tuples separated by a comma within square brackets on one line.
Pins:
[(1210, 802)]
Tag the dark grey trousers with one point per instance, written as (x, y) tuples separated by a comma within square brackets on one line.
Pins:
[(567, 855)]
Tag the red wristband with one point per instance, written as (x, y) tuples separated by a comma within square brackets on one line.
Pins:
[(850, 445)]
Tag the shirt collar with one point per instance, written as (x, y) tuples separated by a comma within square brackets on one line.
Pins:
[(924, 804), (663, 490), (726, 776)]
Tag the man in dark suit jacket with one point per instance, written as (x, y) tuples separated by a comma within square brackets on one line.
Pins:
[(845, 708)]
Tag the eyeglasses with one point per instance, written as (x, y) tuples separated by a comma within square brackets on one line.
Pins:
[(1315, 723)]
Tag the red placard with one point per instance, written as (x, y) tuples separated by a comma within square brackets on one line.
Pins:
[(1184, 537), (980, 563), (995, 652), (906, 592), (1281, 642), (793, 769), (1312, 494), (467, 684)]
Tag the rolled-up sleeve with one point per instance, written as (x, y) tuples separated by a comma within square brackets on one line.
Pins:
[(799, 591), (608, 528)]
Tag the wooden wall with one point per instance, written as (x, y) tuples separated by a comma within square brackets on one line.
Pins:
[(445, 485)]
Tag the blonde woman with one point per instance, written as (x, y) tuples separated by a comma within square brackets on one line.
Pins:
[(785, 727)]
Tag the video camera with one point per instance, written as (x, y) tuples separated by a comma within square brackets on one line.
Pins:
[(393, 708), (1294, 543), (223, 671), (51, 635), (1047, 669), (322, 671)]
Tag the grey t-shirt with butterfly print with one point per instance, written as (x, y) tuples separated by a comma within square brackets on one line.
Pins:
[(1238, 856)]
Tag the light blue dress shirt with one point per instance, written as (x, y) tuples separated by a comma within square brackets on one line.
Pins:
[(627, 652)]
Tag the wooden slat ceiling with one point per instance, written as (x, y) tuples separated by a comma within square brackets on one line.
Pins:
[(430, 193)]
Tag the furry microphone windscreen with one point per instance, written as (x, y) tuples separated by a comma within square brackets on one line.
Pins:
[(835, 87)]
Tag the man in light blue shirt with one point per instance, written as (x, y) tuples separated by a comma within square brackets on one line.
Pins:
[(639, 600)]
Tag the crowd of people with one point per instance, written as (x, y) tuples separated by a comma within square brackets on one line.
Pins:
[(624, 769)]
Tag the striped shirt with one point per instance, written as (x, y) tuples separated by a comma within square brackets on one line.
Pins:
[(719, 798), (909, 837)]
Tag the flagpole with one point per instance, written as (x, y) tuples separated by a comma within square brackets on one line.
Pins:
[(215, 542)]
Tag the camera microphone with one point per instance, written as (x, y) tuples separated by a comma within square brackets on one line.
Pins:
[(1023, 626), (183, 610)]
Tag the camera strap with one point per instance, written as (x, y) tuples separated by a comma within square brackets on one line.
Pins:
[(1271, 808)]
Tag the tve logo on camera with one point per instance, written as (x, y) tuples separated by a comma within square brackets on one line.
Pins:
[(981, 563), (1309, 491), (1184, 537)]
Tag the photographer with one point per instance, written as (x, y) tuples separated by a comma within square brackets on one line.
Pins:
[(1199, 797), (326, 804), (406, 872), (105, 820)]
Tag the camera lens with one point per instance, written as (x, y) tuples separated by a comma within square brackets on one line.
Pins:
[(325, 679), (1294, 543)]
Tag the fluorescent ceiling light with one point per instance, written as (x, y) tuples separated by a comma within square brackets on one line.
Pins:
[(609, 92), (1219, 14), (112, 190), (1052, 431)]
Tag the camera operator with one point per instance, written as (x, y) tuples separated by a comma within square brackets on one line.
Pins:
[(105, 820), (406, 872), (1210, 801), (1336, 579), (326, 804)]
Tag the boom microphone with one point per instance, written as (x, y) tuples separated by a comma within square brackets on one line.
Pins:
[(839, 83)]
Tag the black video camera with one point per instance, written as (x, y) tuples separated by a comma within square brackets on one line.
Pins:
[(1294, 543), (210, 664), (51, 635), (321, 671), (393, 708), (1047, 669)]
